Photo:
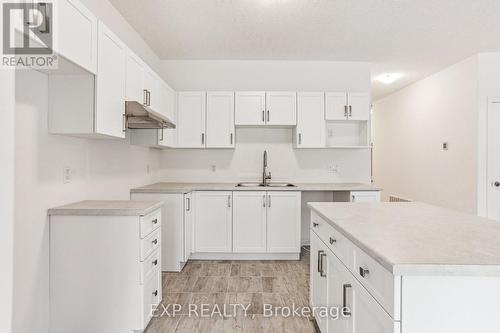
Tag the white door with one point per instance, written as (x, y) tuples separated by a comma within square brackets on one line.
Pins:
[(493, 167), (191, 119), (337, 287), (283, 222), (220, 119), (311, 126), (250, 108), (188, 226), (249, 221), (281, 108), (359, 106), (213, 221), (135, 78), (365, 196), (318, 280), (336, 106), (76, 28), (110, 84)]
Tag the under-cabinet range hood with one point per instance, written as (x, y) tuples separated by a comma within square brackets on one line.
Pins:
[(139, 116)]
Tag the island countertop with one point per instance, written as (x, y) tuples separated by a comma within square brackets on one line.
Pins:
[(418, 239), (165, 187)]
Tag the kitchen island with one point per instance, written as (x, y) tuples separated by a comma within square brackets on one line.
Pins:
[(404, 267)]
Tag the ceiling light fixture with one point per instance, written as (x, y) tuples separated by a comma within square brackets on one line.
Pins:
[(388, 78)]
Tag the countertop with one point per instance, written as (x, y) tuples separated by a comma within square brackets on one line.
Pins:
[(107, 208), (418, 239), (188, 187)]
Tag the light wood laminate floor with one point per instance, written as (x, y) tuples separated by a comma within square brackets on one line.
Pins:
[(251, 283)]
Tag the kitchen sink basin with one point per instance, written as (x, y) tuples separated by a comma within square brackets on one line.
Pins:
[(262, 185)]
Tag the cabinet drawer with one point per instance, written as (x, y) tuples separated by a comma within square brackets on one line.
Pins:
[(150, 222), (335, 241), (150, 243), (150, 265), (151, 295), (379, 282)]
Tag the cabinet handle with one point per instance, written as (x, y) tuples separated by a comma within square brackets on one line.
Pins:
[(161, 131), (231, 138), (300, 138), (149, 98), (353, 198), (322, 272), (155, 293), (229, 201), (350, 111), (263, 116), (155, 262), (145, 97), (267, 115), (155, 221), (345, 111), (124, 123), (188, 208), (319, 260), (202, 138), (268, 200), (332, 240), (315, 224), (363, 272), (345, 310), (46, 23), (155, 241), (264, 200)]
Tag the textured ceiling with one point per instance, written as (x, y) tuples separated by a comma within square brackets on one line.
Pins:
[(413, 37)]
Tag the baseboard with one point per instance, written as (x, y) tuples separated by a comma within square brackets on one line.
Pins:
[(245, 256)]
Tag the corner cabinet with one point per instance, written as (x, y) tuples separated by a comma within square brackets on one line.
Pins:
[(213, 221)]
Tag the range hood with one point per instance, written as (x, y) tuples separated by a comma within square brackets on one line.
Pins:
[(140, 116)]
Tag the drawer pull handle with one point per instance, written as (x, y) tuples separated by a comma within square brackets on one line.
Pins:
[(363, 272), (155, 241), (346, 311), (315, 224), (322, 272), (332, 240), (155, 262), (319, 260), (155, 221), (155, 293)]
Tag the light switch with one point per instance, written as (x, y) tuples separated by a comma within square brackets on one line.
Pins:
[(66, 175)]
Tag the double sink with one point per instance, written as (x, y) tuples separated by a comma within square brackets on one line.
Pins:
[(270, 184)]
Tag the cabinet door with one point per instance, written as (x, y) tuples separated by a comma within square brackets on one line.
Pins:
[(365, 196), (250, 108), (336, 106), (249, 221), (311, 126), (135, 78), (220, 119), (188, 226), (318, 279), (191, 119), (151, 84), (77, 34), (338, 285), (168, 136), (213, 221), (283, 222), (110, 85), (359, 106), (281, 108)]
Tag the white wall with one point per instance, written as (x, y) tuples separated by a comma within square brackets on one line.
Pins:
[(245, 162), (409, 128), (7, 109)]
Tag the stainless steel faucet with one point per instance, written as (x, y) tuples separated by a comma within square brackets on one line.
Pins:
[(265, 175)]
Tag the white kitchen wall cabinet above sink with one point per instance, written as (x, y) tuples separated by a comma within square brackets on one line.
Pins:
[(258, 108)]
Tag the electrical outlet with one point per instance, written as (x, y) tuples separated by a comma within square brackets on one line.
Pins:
[(213, 166), (66, 175), (445, 145), (333, 168)]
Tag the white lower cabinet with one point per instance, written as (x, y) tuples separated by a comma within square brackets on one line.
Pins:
[(213, 219), (365, 196), (318, 281), (249, 221), (283, 222), (188, 226)]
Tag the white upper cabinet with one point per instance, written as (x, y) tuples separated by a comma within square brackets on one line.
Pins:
[(191, 119), (257, 108), (76, 28), (249, 221), (359, 106), (135, 78), (220, 119), (311, 126), (110, 85), (281, 108), (283, 222), (151, 85), (250, 108), (347, 106), (336, 106)]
